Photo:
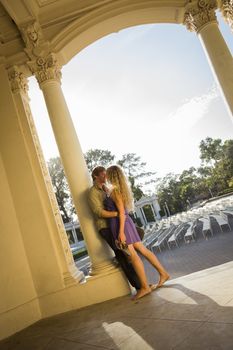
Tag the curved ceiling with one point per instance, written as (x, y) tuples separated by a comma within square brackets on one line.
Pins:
[(71, 25)]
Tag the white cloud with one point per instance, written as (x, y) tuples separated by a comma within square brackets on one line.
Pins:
[(187, 115), (174, 148)]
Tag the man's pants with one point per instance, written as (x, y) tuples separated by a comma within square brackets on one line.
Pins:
[(126, 266)]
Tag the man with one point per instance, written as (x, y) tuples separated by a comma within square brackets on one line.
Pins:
[(96, 201)]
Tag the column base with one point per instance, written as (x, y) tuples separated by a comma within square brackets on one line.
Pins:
[(95, 289), (103, 268), (73, 276)]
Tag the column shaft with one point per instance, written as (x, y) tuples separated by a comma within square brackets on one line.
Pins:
[(200, 17), (76, 172), (220, 59)]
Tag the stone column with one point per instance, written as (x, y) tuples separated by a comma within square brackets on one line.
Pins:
[(48, 74), (226, 7), (156, 209), (200, 17), (62, 252), (143, 215), (153, 211)]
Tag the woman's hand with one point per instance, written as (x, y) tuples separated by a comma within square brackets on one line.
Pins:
[(122, 237)]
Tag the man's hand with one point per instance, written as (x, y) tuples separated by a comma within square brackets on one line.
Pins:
[(108, 214)]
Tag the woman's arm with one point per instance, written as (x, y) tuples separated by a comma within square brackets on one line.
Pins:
[(121, 210)]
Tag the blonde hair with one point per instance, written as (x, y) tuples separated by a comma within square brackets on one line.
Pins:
[(121, 185)]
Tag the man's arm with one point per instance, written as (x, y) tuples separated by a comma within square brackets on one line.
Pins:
[(98, 208), (109, 214)]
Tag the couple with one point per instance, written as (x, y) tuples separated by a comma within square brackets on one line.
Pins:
[(111, 204)]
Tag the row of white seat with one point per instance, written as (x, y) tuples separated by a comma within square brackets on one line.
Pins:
[(172, 234)]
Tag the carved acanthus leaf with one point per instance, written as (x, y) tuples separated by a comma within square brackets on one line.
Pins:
[(17, 80), (46, 68), (227, 11), (199, 13)]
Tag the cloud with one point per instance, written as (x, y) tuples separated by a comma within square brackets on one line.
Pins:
[(189, 113), (171, 141)]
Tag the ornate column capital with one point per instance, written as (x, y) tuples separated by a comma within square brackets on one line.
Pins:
[(46, 68), (43, 63), (199, 13), (18, 80), (226, 8)]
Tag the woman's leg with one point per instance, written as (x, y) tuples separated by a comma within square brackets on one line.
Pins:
[(139, 268), (164, 275)]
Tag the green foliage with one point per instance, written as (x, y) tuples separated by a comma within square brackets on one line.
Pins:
[(132, 165), (226, 191), (148, 213), (213, 178), (211, 150), (98, 157), (137, 175), (179, 191), (61, 188), (79, 254)]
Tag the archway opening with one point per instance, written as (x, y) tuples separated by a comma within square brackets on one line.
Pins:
[(157, 109)]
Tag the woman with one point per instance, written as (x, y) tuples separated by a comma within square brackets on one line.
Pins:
[(123, 229)]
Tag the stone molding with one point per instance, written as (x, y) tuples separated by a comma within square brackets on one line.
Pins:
[(19, 85), (199, 13), (42, 62), (48, 183), (18, 81)]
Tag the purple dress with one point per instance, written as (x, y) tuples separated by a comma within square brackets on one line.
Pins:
[(114, 223)]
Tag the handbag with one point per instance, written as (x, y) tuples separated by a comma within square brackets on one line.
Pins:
[(123, 246)]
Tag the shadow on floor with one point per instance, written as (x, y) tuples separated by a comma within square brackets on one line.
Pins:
[(174, 317)]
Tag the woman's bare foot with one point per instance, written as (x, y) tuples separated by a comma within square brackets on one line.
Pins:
[(163, 279), (153, 286), (141, 293)]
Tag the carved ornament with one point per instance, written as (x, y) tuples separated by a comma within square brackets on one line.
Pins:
[(199, 13)]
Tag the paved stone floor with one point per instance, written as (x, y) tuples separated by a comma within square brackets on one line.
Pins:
[(193, 311), (198, 255), (190, 312)]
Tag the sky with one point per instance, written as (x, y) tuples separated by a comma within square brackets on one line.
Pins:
[(147, 90)]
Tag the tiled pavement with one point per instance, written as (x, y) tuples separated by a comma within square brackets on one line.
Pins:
[(198, 255), (191, 312)]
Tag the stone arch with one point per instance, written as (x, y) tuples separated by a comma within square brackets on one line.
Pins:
[(110, 19)]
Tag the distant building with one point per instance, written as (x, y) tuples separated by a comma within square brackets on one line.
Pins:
[(147, 209), (73, 231)]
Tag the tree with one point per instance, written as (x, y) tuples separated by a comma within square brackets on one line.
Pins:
[(61, 189), (137, 191), (227, 163), (211, 150), (168, 191), (137, 175), (218, 174), (95, 157), (132, 165), (213, 177)]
